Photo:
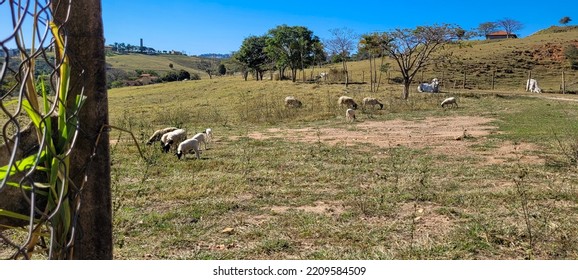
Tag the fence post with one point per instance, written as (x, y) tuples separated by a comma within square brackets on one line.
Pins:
[(89, 164), (528, 81), (493, 79), (464, 85), (563, 83)]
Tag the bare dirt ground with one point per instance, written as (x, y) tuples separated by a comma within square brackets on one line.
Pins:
[(447, 135)]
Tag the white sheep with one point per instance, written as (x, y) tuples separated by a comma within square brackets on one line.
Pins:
[(174, 137), (449, 101), (292, 102), (202, 138), (159, 133), (370, 101), (348, 101), (350, 115), (209, 133), (186, 146)]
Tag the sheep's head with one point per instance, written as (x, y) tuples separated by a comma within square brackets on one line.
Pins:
[(179, 154), (166, 148)]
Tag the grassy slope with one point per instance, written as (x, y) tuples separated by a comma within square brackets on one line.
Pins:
[(158, 63), (169, 209), (511, 59)]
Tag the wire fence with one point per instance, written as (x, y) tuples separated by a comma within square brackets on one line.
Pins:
[(38, 201)]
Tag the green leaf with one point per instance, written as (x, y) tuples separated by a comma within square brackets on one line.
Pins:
[(29, 188), (22, 165), (14, 215), (34, 116)]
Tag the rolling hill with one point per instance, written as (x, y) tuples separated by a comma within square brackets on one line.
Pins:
[(505, 62)]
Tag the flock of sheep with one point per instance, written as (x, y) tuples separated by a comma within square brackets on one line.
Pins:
[(177, 139), (292, 102)]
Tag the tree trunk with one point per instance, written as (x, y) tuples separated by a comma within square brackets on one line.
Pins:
[(406, 86), (89, 164), (346, 72)]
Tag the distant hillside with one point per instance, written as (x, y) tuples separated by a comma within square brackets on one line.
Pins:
[(508, 61), (158, 63)]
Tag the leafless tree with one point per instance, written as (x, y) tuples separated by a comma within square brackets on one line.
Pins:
[(510, 25), (412, 49), (341, 44)]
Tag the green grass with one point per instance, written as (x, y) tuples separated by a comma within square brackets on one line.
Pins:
[(316, 200)]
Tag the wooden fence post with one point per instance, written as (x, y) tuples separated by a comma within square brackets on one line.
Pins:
[(89, 164), (563, 83), (528, 81), (493, 79)]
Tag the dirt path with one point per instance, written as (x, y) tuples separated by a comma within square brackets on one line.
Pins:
[(447, 135)]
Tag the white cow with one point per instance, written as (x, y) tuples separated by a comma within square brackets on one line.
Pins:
[(532, 86), (433, 87)]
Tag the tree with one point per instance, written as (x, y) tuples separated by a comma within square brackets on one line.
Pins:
[(341, 45), (253, 56), (374, 45), (486, 28), (222, 70), (412, 49), (292, 46), (184, 75), (510, 26), (565, 20)]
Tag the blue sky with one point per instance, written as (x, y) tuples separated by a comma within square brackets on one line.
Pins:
[(198, 27)]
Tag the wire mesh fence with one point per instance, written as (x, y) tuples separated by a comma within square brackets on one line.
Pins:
[(39, 118)]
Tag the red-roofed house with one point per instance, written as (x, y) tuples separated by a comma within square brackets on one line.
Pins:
[(500, 35)]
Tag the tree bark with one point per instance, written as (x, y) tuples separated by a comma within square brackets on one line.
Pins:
[(89, 164), (406, 86)]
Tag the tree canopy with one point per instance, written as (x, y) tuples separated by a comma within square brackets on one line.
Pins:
[(292, 46), (253, 56), (565, 20)]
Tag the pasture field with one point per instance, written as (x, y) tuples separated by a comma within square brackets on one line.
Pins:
[(493, 179)]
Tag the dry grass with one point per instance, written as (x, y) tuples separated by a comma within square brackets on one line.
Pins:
[(305, 184)]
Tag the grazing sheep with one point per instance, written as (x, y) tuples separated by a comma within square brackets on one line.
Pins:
[(350, 115), (449, 101), (372, 101), (202, 138), (174, 137), (186, 146), (433, 87), (159, 133), (348, 101), (209, 133), (292, 102), (532, 86)]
